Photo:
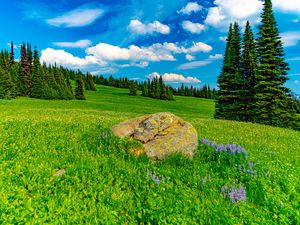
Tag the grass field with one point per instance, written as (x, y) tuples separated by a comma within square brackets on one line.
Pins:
[(104, 184)]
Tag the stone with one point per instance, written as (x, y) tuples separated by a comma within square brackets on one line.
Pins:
[(161, 134)]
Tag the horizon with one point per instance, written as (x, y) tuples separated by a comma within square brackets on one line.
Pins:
[(184, 41)]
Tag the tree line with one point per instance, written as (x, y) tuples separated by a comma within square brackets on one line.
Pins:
[(29, 77), (152, 88), (253, 75)]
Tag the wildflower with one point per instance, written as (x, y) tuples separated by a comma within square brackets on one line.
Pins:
[(213, 144), (205, 141), (235, 195), (103, 136), (156, 179)]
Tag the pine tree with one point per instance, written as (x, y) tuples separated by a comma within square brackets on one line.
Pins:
[(133, 89), (7, 87), (229, 101), (90, 82), (11, 55), (79, 89), (249, 65), (25, 72), (271, 97), (37, 89)]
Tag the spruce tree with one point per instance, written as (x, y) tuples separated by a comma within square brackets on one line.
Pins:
[(7, 87), (37, 89), (25, 72), (271, 97), (133, 89), (79, 89), (12, 54), (249, 65)]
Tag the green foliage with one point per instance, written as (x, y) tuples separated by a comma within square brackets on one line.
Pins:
[(133, 89), (8, 89), (104, 184), (79, 89)]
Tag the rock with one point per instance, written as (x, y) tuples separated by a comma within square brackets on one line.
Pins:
[(161, 134)]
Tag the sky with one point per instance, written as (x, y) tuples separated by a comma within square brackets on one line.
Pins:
[(182, 40)]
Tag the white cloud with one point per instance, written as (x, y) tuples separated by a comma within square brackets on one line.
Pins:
[(196, 64), (138, 27), (297, 82), (287, 5), (106, 55), (216, 56), (77, 18), (193, 65), (291, 38), (51, 56), (189, 57), (77, 44), (190, 8), (194, 28), (227, 11), (174, 78), (296, 21)]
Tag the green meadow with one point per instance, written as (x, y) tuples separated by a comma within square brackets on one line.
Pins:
[(104, 184)]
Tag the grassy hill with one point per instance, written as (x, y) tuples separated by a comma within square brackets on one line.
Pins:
[(104, 184)]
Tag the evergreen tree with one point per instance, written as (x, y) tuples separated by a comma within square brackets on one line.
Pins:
[(7, 87), (133, 89), (79, 89), (90, 82), (144, 89), (37, 80), (249, 65), (12, 54), (272, 103), (229, 102), (25, 72)]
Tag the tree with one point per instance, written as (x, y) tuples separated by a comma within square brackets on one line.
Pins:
[(7, 87), (11, 55), (272, 103), (25, 72), (249, 65), (228, 102), (133, 89), (37, 80), (79, 89)]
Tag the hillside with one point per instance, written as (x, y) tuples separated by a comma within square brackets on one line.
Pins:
[(104, 184)]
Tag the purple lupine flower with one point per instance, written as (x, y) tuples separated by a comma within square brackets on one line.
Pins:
[(213, 144), (205, 141), (156, 179), (103, 136), (221, 148), (233, 149), (235, 195), (241, 194)]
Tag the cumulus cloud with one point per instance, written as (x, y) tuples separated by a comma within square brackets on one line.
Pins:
[(174, 78), (227, 11), (79, 17), (216, 56), (51, 56), (106, 55), (190, 8), (291, 38), (287, 6), (138, 27), (78, 44), (189, 57), (194, 28)]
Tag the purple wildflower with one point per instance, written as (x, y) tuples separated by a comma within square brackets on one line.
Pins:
[(234, 194), (213, 144), (156, 179), (205, 141), (103, 136), (250, 165), (221, 148)]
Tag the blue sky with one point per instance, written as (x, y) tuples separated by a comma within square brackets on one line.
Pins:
[(183, 40)]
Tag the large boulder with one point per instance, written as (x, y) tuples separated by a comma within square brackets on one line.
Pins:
[(161, 134)]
